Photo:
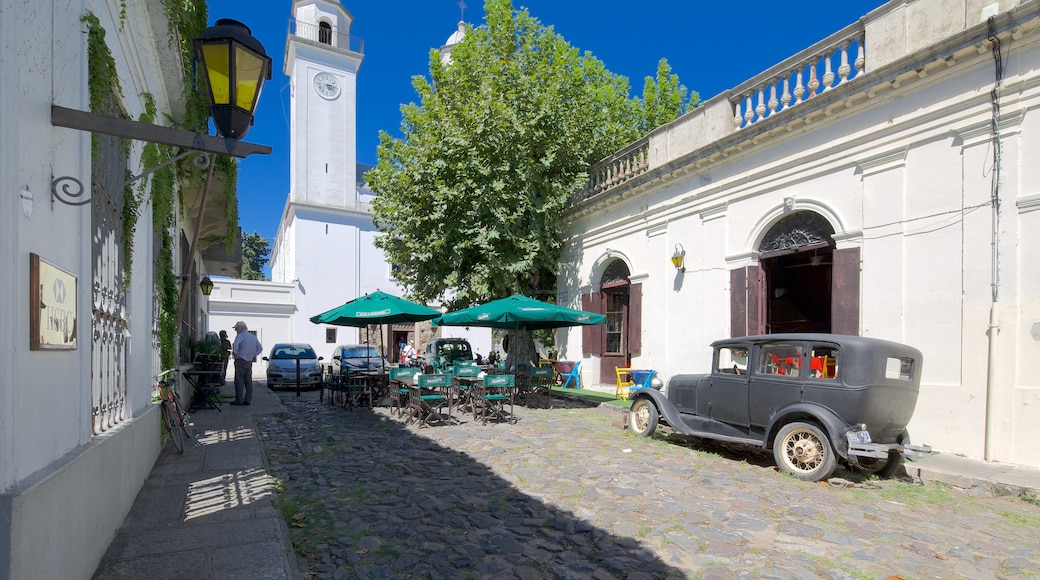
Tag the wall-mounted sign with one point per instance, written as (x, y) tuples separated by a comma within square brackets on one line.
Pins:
[(52, 306)]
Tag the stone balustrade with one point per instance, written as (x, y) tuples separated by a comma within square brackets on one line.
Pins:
[(821, 67), (617, 168)]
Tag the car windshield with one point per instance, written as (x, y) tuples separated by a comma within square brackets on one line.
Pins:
[(361, 352), (292, 352)]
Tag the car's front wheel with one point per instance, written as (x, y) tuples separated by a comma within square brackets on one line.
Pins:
[(804, 451), (642, 417)]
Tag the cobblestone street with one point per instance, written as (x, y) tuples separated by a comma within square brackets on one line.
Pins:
[(567, 493)]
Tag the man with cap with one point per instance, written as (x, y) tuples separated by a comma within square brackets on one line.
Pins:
[(245, 349)]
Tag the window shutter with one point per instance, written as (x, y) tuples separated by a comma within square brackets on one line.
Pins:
[(635, 318), (737, 302), (845, 292), (592, 336), (756, 300)]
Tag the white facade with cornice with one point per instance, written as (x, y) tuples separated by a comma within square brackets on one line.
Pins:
[(895, 154)]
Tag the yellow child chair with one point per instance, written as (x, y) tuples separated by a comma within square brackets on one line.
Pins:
[(624, 381)]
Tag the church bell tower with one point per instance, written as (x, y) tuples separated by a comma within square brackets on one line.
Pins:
[(322, 61)]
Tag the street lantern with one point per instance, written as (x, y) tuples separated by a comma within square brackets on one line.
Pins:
[(235, 67), (677, 258), (206, 285)]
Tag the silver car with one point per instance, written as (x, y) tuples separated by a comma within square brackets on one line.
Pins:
[(281, 365), (357, 357)]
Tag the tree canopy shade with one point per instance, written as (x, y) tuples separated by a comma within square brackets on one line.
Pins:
[(469, 199)]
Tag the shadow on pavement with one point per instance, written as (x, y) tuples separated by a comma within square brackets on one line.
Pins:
[(365, 495)]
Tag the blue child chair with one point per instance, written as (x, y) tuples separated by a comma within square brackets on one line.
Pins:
[(573, 375)]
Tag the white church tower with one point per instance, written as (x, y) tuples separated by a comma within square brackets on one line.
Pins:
[(324, 245)]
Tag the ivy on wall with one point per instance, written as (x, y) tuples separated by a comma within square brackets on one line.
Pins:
[(187, 20)]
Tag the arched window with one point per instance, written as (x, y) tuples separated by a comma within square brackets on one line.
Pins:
[(325, 33)]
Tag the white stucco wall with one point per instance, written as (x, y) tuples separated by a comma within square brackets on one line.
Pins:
[(62, 490)]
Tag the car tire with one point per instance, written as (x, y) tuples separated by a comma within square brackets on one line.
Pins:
[(643, 417), (804, 451)]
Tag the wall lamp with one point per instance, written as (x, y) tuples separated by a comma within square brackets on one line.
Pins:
[(677, 258), (206, 285)]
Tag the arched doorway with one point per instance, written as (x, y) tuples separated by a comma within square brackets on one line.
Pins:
[(621, 302), (796, 256), (802, 282)]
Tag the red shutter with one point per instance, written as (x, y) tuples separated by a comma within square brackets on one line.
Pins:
[(845, 292), (592, 336), (737, 302), (635, 318)]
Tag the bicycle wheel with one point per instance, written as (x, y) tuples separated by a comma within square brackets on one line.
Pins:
[(185, 418), (176, 434)]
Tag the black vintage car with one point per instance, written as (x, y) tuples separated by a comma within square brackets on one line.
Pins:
[(811, 398)]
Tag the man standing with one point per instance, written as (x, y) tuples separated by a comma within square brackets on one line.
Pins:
[(225, 353), (245, 349)]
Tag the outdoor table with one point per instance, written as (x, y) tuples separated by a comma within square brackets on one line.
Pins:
[(206, 385)]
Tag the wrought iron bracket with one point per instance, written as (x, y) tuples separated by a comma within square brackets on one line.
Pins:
[(69, 190)]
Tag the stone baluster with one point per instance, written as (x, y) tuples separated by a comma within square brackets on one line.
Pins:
[(738, 119), (749, 112), (814, 83), (760, 110), (773, 103), (799, 88), (861, 59), (844, 69), (785, 98), (828, 75)]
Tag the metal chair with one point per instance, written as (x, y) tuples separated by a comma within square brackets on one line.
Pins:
[(495, 392), (400, 379), (426, 398)]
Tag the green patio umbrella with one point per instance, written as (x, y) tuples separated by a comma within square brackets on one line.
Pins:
[(519, 312), (375, 308)]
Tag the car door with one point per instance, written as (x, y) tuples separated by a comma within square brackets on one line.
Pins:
[(729, 385), (777, 378)]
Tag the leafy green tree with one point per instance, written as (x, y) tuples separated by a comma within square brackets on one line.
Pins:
[(255, 252), (664, 98), (470, 198)]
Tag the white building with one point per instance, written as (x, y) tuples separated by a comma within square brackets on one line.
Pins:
[(849, 189), (325, 243), (79, 329)]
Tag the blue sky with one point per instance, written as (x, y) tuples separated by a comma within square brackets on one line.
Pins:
[(712, 46)]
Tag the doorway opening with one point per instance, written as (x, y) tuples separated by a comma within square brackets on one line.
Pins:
[(797, 258)]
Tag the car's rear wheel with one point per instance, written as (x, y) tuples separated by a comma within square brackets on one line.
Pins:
[(803, 450), (642, 417)]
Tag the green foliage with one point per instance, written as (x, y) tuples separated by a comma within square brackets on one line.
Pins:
[(161, 185), (103, 79), (664, 99), (470, 198), (255, 251)]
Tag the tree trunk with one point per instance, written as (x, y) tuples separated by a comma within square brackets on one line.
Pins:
[(521, 351)]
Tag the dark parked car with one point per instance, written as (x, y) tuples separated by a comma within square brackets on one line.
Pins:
[(357, 357), (281, 365), (811, 398), (442, 353)]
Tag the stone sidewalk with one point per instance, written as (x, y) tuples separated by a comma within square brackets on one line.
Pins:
[(209, 514)]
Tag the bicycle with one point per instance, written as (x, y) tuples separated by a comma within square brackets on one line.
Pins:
[(175, 416)]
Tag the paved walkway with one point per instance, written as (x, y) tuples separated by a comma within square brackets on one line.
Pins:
[(211, 513), (368, 496)]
